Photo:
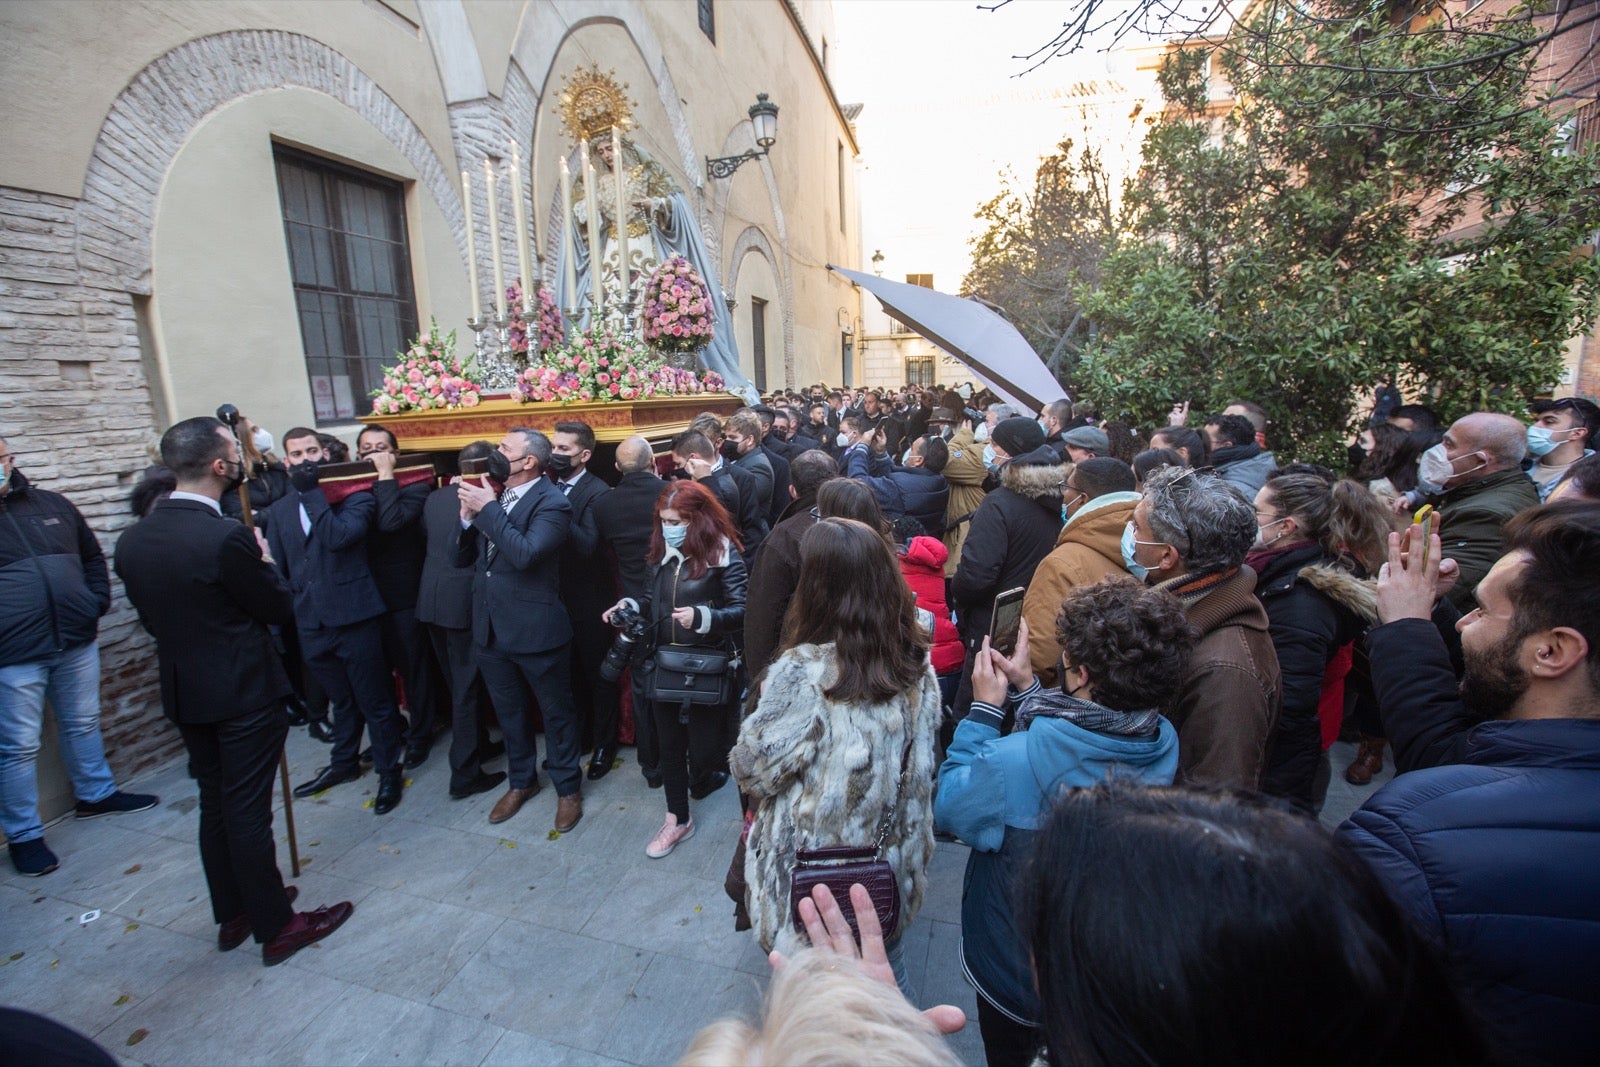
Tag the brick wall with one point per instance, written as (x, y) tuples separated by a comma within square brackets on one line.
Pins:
[(78, 414)]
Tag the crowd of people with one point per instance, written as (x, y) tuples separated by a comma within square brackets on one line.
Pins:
[(807, 598)]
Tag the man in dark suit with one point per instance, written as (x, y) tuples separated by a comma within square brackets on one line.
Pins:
[(203, 589), (697, 457), (444, 606), (587, 591), (625, 519), (395, 550), (776, 450), (519, 628), (321, 549), (741, 446)]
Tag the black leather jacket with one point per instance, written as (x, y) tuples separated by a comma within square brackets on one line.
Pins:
[(717, 597)]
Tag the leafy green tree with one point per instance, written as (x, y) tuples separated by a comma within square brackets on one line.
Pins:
[(1041, 247), (1323, 236)]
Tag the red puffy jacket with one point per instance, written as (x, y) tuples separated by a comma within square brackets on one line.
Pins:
[(922, 563)]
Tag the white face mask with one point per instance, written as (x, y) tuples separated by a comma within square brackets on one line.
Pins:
[(842, 440), (1436, 469), (1262, 540), (262, 439), (981, 433)]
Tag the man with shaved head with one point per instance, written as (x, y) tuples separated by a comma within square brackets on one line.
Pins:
[(1479, 467)]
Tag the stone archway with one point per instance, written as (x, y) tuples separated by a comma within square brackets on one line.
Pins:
[(753, 240), (150, 120)]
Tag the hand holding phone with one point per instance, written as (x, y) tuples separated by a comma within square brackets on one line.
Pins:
[(1006, 620)]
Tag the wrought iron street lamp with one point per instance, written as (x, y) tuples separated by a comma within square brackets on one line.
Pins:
[(764, 117)]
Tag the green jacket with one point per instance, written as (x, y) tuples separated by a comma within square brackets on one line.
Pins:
[(1473, 519)]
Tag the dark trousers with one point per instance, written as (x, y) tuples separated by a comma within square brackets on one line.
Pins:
[(233, 761), (511, 677), (348, 662), (1006, 1042), (701, 742), (468, 700), (647, 747), (1292, 758), (594, 697), (407, 651)]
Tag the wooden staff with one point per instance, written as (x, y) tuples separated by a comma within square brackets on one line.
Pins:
[(229, 416)]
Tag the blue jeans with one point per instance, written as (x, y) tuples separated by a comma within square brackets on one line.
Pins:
[(71, 680)]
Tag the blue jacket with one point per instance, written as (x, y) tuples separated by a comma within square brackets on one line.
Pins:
[(1497, 858), (993, 794), (921, 494), (328, 571)]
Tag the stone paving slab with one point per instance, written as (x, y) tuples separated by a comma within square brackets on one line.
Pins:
[(470, 944)]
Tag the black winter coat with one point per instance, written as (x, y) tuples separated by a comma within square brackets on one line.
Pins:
[(54, 585), (717, 597), (1314, 608), (1013, 529)]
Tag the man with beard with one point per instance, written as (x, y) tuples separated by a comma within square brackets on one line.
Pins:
[(1494, 847)]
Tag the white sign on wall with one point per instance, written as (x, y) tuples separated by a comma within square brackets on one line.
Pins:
[(331, 397)]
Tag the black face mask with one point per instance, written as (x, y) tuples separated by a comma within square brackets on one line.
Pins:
[(730, 451), (498, 467), (235, 480), (559, 464)]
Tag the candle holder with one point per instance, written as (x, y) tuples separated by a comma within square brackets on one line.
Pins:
[(479, 346)]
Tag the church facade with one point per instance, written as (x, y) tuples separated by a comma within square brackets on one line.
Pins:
[(259, 202)]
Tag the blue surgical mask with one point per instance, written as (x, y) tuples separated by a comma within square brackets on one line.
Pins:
[(1129, 545), (674, 535), (1541, 441), (988, 455)]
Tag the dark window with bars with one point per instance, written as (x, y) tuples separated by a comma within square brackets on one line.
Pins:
[(349, 259)]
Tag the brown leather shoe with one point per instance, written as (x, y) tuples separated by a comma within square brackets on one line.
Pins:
[(1368, 761), (512, 802), (317, 925), (569, 810)]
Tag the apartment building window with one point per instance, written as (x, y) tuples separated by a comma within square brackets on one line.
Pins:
[(924, 280), (758, 341), (708, 20), (919, 371), (351, 268)]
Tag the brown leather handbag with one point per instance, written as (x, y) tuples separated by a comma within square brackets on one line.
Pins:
[(840, 866)]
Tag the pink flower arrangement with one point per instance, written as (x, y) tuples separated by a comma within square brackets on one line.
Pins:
[(552, 328), (427, 377), (600, 364), (678, 313)]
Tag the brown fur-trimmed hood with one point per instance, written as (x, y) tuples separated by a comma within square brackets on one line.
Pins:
[(1358, 595), (1041, 482)]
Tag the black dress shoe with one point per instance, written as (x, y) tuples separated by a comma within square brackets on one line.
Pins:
[(417, 754), (708, 785), (601, 763), (320, 731), (390, 789), (481, 784), (326, 779)]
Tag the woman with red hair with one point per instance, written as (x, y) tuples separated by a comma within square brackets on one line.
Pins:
[(695, 598)]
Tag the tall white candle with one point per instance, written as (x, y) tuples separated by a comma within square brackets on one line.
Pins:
[(472, 244), (524, 274), (494, 244), (590, 204), (619, 172), (569, 254)]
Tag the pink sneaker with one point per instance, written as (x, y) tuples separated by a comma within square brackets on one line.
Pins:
[(669, 836)]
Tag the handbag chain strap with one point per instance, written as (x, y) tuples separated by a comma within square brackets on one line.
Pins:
[(894, 806)]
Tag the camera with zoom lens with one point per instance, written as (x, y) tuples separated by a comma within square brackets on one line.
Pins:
[(629, 645)]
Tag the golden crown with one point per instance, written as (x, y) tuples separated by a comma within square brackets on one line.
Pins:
[(592, 103)]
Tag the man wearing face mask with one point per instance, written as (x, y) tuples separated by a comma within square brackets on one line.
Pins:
[(321, 550), (53, 589), (444, 606), (587, 591), (915, 487), (1096, 505), (519, 628), (1562, 433), (1189, 535), (1013, 529), (1476, 472), (741, 446)]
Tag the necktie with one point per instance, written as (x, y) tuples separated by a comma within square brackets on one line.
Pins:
[(507, 498), (566, 487)]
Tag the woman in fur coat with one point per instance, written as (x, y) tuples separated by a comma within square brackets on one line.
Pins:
[(850, 701)]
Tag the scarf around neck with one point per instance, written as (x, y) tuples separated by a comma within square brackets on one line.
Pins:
[(1087, 715)]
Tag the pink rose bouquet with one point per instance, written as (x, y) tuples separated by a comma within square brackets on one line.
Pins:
[(677, 308), (427, 377)]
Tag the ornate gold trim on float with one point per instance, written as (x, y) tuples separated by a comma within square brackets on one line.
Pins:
[(612, 420)]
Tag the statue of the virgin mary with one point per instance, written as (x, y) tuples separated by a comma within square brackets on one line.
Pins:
[(660, 222)]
